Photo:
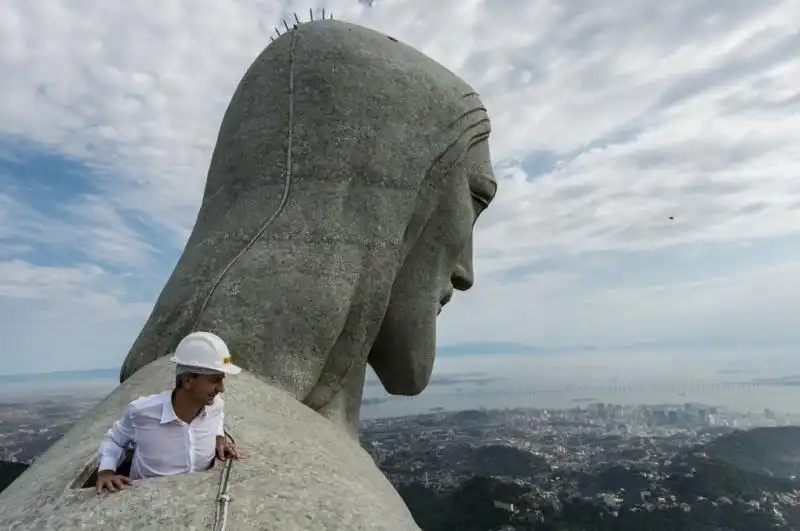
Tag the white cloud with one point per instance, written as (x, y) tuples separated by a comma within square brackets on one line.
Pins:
[(608, 120), (581, 308), (107, 236), (88, 224), (60, 318)]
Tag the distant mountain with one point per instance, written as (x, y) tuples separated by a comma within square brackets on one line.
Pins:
[(770, 451), (486, 503), (740, 481), (485, 348), (615, 478), (9, 471), (469, 507), (505, 461), (506, 347), (61, 376), (464, 459), (737, 482)]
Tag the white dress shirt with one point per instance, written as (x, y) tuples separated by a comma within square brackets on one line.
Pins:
[(164, 445)]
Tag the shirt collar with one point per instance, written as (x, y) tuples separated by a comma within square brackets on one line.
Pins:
[(168, 412)]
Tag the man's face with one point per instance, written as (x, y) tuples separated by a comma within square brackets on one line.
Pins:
[(204, 388), (439, 263)]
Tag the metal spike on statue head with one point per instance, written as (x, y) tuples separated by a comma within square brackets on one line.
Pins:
[(298, 22), (310, 17)]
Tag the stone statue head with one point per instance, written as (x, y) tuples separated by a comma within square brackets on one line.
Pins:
[(337, 218)]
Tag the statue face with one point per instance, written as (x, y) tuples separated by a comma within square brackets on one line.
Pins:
[(439, 262)]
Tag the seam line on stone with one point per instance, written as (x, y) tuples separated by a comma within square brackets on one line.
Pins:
[(284, 198), (221, 514)]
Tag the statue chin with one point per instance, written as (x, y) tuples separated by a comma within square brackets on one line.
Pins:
[(412, 386), (405, 348)]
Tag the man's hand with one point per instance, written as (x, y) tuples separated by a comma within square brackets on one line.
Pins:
[(111, 481), (226, 449)]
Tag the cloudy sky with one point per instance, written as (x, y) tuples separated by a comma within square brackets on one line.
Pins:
[(648, 155)]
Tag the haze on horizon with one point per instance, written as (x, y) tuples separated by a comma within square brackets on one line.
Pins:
[(726, 378), (647, 220)]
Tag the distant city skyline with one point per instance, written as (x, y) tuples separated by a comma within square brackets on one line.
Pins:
[(457, 358), (742, 381), (625, 466)]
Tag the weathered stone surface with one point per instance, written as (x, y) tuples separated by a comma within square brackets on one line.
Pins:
[(387, 147), (336, 222), (298, 473)]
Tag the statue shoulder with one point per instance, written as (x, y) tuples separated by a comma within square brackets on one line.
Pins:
[(289, 449)]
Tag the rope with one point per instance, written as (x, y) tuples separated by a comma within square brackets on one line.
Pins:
[(223, 498)]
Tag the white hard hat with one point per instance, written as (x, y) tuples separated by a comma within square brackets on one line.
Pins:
[(205, 350)]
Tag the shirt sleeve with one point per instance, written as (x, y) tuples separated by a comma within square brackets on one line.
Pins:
[(221, 419), (112, 449)]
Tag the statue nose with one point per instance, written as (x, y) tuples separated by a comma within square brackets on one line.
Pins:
[(463, 277)]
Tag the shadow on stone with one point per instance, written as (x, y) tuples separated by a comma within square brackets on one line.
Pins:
[(88, 476)]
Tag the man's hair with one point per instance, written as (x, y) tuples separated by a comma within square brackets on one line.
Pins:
[(182, 370), (185, 370), (179, 378)]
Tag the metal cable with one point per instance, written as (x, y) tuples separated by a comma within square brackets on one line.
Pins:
[(223, 498), (284, 198)]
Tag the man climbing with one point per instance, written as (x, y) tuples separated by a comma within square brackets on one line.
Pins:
[(178, 431)]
